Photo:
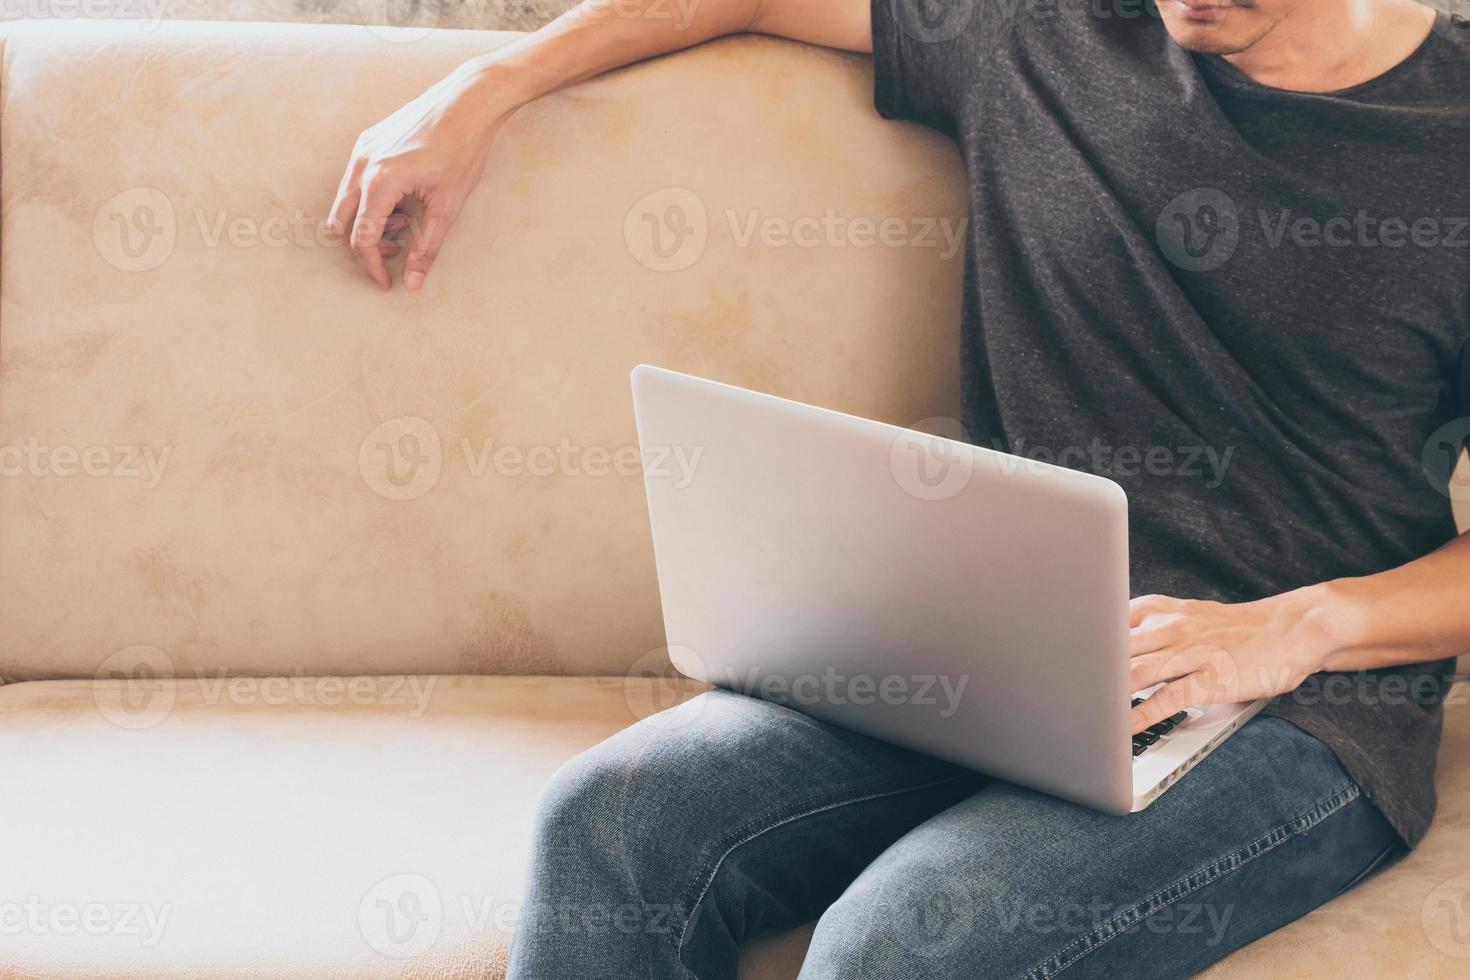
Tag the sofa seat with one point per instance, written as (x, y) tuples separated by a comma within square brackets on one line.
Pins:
[(378, 827)]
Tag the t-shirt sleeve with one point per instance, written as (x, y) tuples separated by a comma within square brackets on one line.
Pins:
[(925, 54)]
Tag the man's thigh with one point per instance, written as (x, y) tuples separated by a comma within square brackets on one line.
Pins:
[(732, 813), (1013, 883)]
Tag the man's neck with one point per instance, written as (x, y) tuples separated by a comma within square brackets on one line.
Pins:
[(1327, 45)]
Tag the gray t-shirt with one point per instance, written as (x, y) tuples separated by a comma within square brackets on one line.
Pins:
[(1250, 307)]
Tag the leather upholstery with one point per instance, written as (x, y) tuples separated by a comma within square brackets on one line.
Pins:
[(220, 444), (281, 383), (256, 823)]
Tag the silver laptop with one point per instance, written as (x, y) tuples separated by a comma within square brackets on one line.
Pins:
[(962, 602)]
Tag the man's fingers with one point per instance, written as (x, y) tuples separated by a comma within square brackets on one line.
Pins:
[(1170, 699), (344, 211), (391, 243), (1164, 665), (344, 205), (1159, 633), (1147, 605), (379, 198), (426, 241)]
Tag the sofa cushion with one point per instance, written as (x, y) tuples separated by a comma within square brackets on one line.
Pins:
[(378, 827), (252, 827)]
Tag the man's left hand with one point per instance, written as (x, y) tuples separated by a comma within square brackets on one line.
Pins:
[(1213, 652)]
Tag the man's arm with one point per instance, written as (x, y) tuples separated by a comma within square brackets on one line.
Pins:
[(1215, 652), (434, 148)]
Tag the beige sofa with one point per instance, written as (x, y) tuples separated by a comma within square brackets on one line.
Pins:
[(277, 549)]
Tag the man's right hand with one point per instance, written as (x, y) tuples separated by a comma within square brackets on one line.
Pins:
[(431, 153)]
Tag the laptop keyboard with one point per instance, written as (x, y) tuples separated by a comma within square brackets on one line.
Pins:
[(1150, 736)]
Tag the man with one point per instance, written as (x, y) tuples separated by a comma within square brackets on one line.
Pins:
[(1224, 227)]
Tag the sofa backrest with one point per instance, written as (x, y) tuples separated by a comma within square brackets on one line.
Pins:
[(227, 448), (224, 449)]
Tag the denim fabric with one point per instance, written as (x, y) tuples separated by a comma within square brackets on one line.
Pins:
[(659, 850)]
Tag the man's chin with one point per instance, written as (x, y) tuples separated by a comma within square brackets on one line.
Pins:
[(1209, 42), (1231, 33)]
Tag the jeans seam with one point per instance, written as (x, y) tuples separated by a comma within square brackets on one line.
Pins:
[(1194, 881), (763, 826)]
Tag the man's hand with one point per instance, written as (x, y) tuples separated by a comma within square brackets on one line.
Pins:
[(1213, 652), (429, 154), (432, 151)]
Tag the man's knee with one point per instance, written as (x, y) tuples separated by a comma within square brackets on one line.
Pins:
[(907, 922), (583, 804), (647, 775), (921, 916)]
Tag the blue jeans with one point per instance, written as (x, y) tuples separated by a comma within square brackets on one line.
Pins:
[(659, 850)]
